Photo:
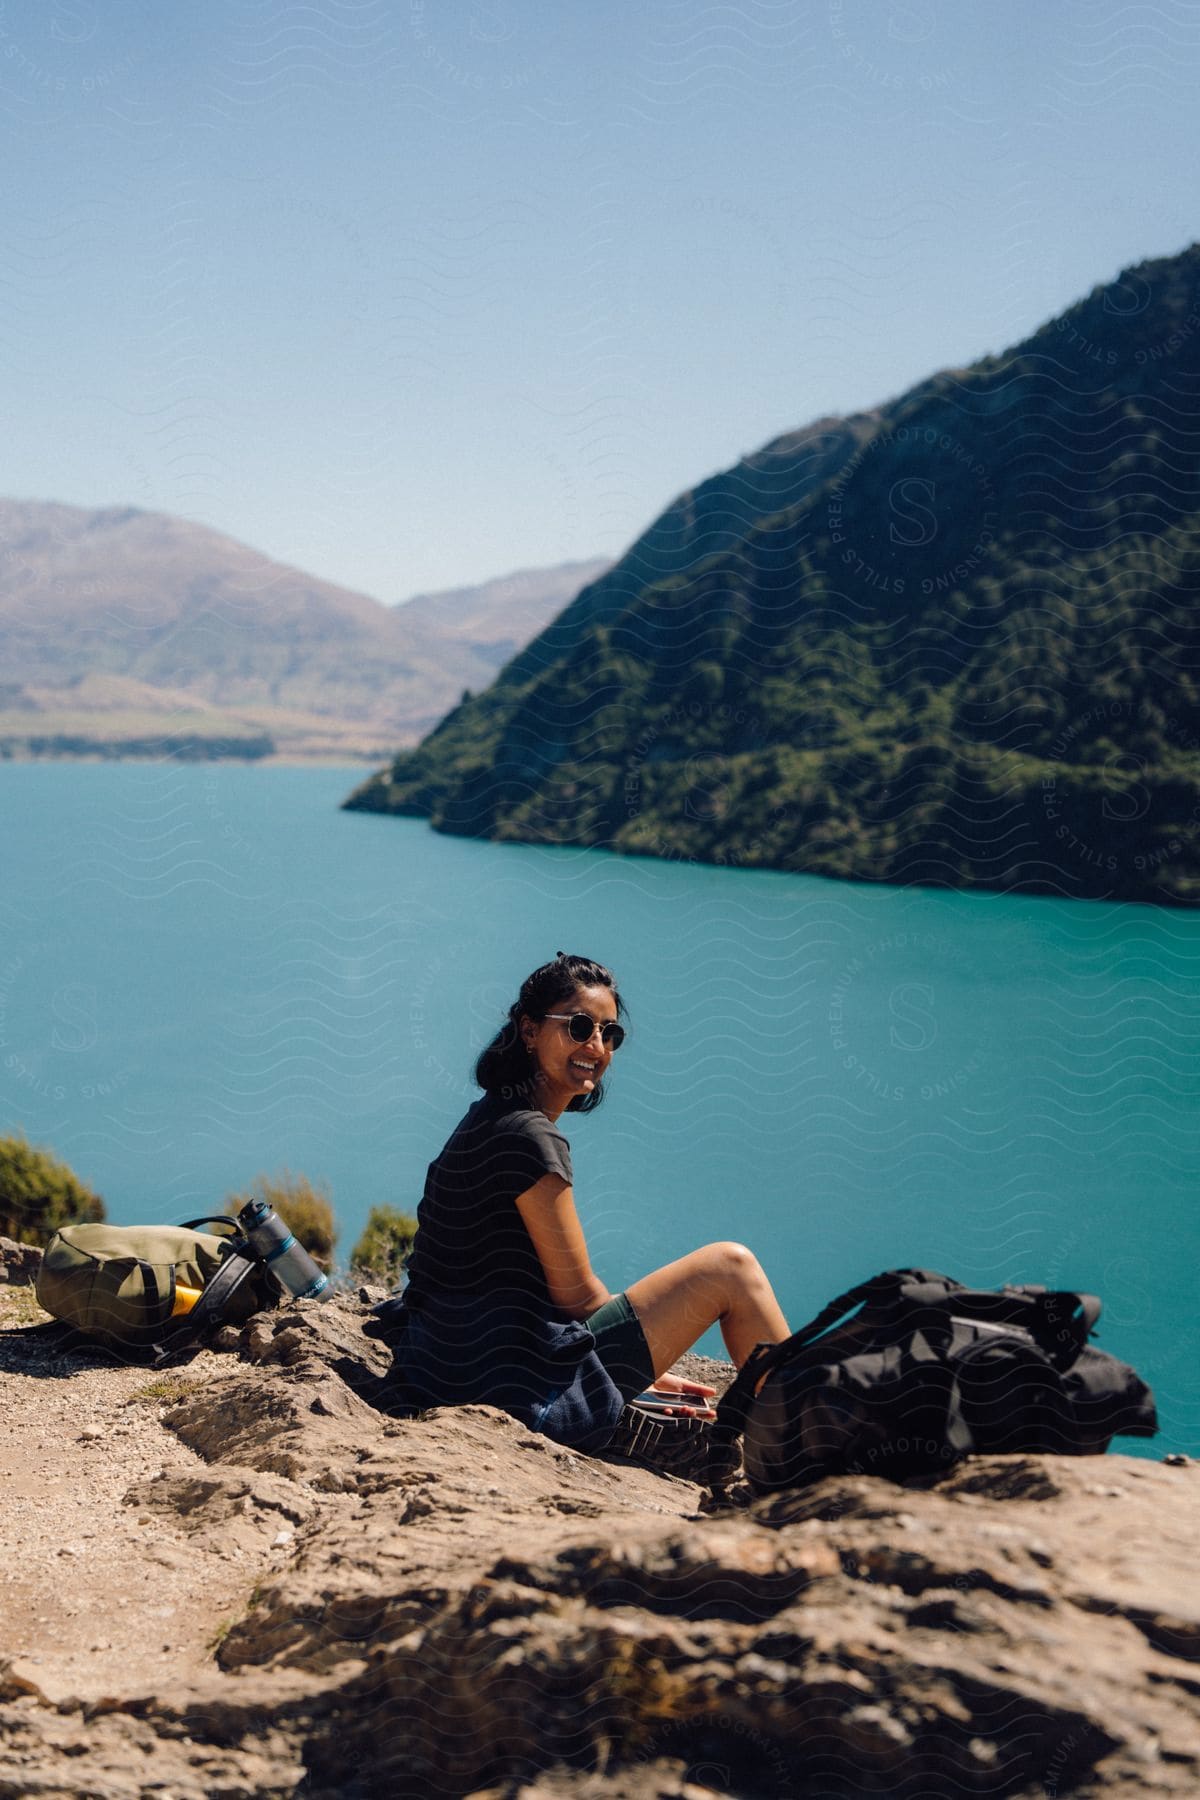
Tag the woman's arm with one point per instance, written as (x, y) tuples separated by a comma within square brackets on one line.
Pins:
[(548, 1209)]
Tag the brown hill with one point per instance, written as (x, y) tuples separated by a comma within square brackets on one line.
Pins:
[(119, 623)]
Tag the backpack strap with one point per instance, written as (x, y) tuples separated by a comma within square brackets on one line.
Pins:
[(1065, 1323), (209, 1309), (1059, 1321), (47, 1328), (189, 1332), (736, 1401), (1086, 1306), (212, 1219), (159, 1284)]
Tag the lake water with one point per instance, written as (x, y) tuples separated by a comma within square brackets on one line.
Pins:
[(207, 972)]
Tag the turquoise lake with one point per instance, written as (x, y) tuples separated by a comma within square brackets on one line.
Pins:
[(208, 972)]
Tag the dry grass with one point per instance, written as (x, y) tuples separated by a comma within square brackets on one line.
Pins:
[(164, 1390), (19, 1307)]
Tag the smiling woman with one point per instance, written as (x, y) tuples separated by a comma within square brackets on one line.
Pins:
[(502, 1305)]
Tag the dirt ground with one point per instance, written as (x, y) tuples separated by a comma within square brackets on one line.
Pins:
[(101, 1596), (290, 1590)]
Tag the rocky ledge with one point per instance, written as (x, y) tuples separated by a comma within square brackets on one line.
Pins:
[(448, 1604)]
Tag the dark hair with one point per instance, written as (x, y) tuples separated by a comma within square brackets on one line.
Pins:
[(506, 1065)]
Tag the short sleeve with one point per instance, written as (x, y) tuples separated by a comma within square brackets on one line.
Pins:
[(524, 1149)]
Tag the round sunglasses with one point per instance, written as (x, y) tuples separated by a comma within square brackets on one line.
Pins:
[(580, 1026)]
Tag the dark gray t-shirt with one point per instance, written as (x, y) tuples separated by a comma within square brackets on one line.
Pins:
[(471, 1239)]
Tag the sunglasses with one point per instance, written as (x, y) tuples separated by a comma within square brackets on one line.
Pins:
[(580, 1026)]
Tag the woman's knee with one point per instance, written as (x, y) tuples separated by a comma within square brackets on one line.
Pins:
[(735, 1263)]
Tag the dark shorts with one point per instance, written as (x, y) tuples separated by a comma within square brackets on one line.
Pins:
[(621, 1345)]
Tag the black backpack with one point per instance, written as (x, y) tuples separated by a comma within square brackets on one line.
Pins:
[(924, 1373)]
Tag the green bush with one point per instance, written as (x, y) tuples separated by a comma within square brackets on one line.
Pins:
[(38, 1193), (383, 1249), (304, 1207)]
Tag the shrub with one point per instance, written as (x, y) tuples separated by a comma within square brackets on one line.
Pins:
[(384, 1246), (38, 1193), (306, 1209)]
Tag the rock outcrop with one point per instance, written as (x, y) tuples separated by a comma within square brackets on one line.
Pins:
[(449, 1604), (19, 1263)]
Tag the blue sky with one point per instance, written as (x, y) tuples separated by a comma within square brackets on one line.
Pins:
[(414, 292)]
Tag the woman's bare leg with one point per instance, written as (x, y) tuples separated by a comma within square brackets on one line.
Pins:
[(725, 1282)]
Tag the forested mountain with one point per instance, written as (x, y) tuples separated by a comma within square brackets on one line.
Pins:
[(953, 640), (120, 627)]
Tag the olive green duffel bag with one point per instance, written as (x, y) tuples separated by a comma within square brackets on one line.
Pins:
[(152, 1291)]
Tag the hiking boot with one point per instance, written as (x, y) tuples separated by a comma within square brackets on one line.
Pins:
[(671, 1446)]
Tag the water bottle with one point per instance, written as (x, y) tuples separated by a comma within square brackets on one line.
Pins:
[(276, 1246)]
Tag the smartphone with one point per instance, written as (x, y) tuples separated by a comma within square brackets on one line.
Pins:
[(688, 1405)]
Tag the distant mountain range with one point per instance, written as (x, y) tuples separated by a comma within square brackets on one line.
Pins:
[(129, 632), (953, 640)]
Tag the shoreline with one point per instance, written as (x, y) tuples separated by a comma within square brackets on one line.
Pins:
[(290, 759)]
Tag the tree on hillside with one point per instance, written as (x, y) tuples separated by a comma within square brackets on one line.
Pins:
[(38, 1193), (384, 1246)]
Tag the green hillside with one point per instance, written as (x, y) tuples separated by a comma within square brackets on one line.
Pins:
[(950, 641)]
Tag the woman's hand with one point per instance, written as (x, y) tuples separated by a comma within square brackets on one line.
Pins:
[(692, 1395)]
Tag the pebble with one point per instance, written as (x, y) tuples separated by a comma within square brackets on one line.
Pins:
[(983, 1751), (880, 1723)]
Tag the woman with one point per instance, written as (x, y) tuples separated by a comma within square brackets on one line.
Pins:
[(502, 1304)]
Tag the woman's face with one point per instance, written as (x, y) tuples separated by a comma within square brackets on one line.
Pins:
[(566, 1068)]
